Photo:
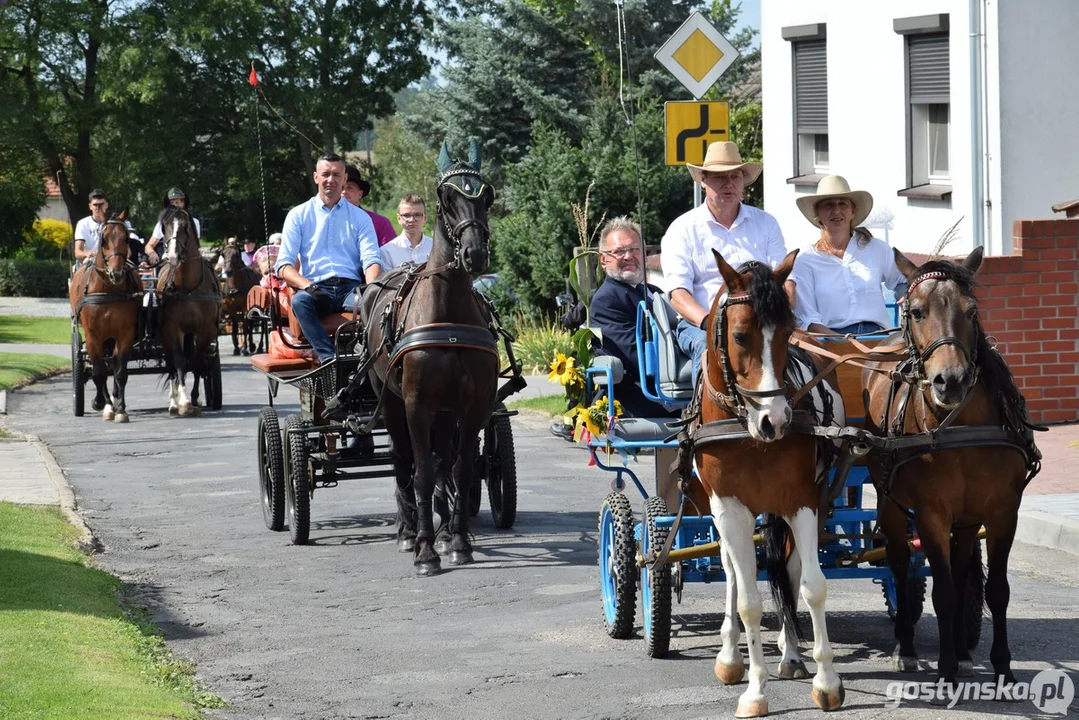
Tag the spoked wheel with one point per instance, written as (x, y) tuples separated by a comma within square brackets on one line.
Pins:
[(297, 482), (271, 470), (500, 464), (214, 395), (78, 375), (617, 565), (974, 598), (656, 584), (916, 586)]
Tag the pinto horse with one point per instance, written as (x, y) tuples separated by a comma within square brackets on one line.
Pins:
[(239, 279), (955, 389), (436, 369), (103, 300), (752, 464), (190, 303)]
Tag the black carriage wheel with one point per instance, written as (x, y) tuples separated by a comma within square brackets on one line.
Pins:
[(78, 375), (297, 483), (271, 470), (974, 598), (916, 593), (657, 584), (213, 383), (617, 565), (476, 496), (501, 465)]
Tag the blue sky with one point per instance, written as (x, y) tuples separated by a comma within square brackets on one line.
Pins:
[(750, 17)]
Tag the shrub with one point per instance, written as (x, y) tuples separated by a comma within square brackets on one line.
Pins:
[(538, 342), (33, 278), (46, 240)]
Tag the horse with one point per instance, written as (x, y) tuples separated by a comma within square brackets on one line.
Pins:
[(749, 462), (103, 297), (436, 370), (239, 279), (190, 303), (953, 375)]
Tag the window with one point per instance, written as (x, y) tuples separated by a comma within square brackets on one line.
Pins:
[(810, 107), (928, 86)]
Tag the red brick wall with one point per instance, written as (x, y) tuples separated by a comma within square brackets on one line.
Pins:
[(1028, 302)]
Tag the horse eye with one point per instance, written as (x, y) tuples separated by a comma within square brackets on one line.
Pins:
[(972, 313), (917, 314), (741, 338)]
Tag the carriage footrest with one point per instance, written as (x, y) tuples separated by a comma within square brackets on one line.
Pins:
[(270, 364), (644, 430)]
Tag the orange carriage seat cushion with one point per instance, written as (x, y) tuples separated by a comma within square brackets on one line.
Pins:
[(267, 362), (259, 297), (280, 350)]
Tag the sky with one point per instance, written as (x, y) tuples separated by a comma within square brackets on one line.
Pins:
[(750, 17)]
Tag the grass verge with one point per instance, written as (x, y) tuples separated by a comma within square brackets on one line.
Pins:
[(550, 405), (18, 369), (73, 648), (37, 330)]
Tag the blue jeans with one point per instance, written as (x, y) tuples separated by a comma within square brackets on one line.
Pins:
[(343, 294), (691, 340)]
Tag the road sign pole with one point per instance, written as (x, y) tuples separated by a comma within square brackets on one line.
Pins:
[(696, 194)]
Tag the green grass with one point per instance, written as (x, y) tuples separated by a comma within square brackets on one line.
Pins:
[(72, 648), (551, 405), (17, 367), (38, 330)]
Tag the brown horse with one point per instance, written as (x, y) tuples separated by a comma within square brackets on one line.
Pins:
[(190, 302), (239, 279), (753, 465), (972, 476), (438, 378), (104, 302)]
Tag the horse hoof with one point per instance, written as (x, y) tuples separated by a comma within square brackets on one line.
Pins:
[(794, 670), (731, 674), (174, 410), (406, 545), (461, 557), (235, 351), (120, 418), (755, 708), (442, 546), (245, 352), (904, 664), (830, 700), (427, 569), (108, 415), (966, 669), (97, 406), (187, 409)]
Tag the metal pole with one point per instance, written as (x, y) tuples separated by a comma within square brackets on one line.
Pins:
[(697, 195)]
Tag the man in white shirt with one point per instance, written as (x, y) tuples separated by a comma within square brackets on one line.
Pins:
[(723, 222), (88, 230), (411, 245)]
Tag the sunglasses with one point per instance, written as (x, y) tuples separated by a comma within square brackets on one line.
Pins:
[(623, 252)]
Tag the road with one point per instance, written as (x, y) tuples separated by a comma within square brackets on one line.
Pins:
[(342, 629)]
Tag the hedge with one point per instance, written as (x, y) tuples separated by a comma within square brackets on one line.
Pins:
[(33, 278)]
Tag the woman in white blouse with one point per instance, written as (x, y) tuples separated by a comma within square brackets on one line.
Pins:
[(838, 280)]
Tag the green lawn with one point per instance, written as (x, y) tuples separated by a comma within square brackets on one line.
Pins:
[(39, 330), (552, 405), (72, 648), (16, 367)]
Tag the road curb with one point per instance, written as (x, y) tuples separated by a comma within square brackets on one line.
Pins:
[(1038, 527), (87, 542)]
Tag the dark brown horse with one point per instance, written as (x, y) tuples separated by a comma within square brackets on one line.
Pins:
[(190, 301), (239, 279), (104, 302), (754, 465), (974, 475), (437, 368)]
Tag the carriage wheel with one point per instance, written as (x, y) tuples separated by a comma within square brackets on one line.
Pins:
[(297, 483), (656, 585), (78, 375), (500, 463), (271, 470), (974, 598), (475, 498), (916, 592), (617, 565), (213, 383)]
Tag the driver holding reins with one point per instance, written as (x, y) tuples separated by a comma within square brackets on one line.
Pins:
[(328, 252)]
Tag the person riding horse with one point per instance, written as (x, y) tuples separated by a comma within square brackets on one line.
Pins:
[(174, 198)]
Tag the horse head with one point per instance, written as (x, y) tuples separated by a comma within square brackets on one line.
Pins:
[(940, 324), (178, 232), (463, 201), (113, 250), (749, 326), (233, 261)]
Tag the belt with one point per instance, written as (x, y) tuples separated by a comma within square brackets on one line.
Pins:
[(336, 281)]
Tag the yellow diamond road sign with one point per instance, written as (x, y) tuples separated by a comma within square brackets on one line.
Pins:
[(691, 127), (697, 55)]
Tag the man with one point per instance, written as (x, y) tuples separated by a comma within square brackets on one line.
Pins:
[(327, 245), (723, 222), (356, 189), (88, 230), (411, 245), (177, 198), (248, 254)]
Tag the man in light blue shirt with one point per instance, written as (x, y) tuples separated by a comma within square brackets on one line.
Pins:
[(328, 251)]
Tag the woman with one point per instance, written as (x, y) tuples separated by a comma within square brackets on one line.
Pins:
[(838, 280)]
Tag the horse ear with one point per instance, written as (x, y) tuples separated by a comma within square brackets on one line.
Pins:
[(122, 215), (905, 266), (730, 275), (785, 267), (475, 157), (444, 161), (974, 260)]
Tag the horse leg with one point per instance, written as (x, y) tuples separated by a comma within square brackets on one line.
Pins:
[(183, 398), (119, 386), (893, 523), (420, 420), (962, 551), (735, 524), (235, 332), (934, 532), (999, 535), (249, 335), (828, 692), (730, 666), (464, 471), (401, 455), (443, 463), (791, 666)]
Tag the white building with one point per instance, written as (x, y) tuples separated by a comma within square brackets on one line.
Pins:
[(941, 109)]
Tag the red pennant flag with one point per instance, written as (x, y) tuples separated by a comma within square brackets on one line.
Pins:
[(253, 77)]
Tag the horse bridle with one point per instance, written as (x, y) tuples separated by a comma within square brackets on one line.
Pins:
[(918, 357), (455, 233), (103, 268)]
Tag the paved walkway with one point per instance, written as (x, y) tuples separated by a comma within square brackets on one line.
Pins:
[(36, 307)]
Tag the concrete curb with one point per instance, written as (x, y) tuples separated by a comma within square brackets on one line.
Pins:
[(87, 542), (1038, 527), (3, 402)]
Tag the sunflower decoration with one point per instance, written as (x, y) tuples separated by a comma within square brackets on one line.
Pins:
[(593, 421), (565, 371)]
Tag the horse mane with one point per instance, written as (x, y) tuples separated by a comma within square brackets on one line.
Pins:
[(995, 374), (766, 296), (171, 213)]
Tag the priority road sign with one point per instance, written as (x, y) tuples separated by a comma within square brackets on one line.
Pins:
[(690, 127), (697, 55)]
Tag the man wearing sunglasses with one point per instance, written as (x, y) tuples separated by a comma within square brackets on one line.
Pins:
[(411, 245)]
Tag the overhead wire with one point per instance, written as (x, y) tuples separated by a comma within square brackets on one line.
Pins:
[(624, 77)]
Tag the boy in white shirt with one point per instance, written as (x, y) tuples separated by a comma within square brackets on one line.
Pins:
[(411, 245)]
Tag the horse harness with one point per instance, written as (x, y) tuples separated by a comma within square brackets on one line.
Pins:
[(131, 289)]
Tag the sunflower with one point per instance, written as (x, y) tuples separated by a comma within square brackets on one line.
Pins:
[(563, 369), (593, 422)]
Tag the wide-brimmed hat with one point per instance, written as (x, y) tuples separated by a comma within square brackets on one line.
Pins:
[(724, 157), (352, 175), (836, 186), (276, 238)]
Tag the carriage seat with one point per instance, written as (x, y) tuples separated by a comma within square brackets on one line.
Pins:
[(644, 430), (674, 376), (279, 366), (330, 322)]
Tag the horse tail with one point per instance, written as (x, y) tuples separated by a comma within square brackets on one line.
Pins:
[(778, 545)]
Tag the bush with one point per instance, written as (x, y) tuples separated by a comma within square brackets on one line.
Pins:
[(46, 240), (538, 342), (33, 278)]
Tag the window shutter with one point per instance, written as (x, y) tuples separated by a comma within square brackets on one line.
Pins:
[(810, 87), (928, 69)]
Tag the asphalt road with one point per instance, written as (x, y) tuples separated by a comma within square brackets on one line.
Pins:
[(342, 629)]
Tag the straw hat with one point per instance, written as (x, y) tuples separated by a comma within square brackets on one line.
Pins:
[(724, 157), (835, 186)]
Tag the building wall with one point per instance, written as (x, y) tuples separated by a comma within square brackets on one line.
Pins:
[(54, 209)]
